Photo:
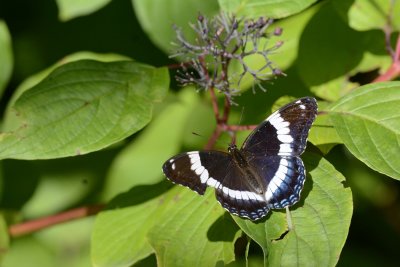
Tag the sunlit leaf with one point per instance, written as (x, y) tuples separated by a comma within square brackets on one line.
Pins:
[(368, 15), (368, 122), (4, 239), (258, 8), (175, 225), (69, 9), (191, 224), (323, 133), (82, 107), (140, 162), (29, 248), (321, 221), (11, 119)]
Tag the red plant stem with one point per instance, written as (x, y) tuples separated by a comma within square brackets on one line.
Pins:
[(38, 224), (397, 52), (214, 104), (227, 108), (236, 128), (394, 70)]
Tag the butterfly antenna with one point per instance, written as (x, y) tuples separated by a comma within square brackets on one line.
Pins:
[(233, 134), (202, 136), (197, 134), (241, 116)]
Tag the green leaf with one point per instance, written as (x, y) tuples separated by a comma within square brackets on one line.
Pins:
[(4, 239), (368, 15), (334, 89), (140, 162), (258, 8), (82, 107), (368, 122), (6, 56), (11, 119), (157, 17), (69, 9), (321, 221), (176, 225)]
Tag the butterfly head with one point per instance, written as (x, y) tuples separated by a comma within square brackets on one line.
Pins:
[(231, 148)]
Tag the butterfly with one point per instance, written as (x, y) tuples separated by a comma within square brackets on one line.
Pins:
[(265, 173)]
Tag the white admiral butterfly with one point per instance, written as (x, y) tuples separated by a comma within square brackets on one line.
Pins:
[(266, 173)]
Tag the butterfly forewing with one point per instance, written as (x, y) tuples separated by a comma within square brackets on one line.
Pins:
[(194, 169), (285, 132)]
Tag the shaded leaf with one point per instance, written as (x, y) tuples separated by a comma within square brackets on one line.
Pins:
[(69, 9), (82, 107), (316, 63), (65, 181), (368, 122), (258, 8), (6, 56), (321, 221)]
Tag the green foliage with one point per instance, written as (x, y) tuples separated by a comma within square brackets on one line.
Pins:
[(96, 128), (75, 100), (4, 239), (5, 56)]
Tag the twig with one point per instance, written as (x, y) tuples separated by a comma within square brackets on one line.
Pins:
[(38, 224), (394, 69)]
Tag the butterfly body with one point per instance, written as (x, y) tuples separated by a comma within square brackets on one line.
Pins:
[(265, 173), (252, 178)]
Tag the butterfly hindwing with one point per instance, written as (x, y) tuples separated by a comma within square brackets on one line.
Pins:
[(236, 196), (285, 132), (284, 178)]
